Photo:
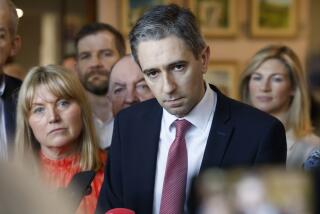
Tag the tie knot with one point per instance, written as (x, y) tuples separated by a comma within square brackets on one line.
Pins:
[(182, 127)]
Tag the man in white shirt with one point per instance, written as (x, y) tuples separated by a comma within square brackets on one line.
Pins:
[(9, 45), (188, 115), (127, 85), (98, 47)]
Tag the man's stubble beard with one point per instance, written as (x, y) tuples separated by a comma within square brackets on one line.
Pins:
[(99, 90)]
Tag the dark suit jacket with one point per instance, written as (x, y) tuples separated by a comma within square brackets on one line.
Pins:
[(9, 98), (240, 136)]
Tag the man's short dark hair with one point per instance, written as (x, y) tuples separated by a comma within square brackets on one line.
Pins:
[(166, 20), (96, 27)]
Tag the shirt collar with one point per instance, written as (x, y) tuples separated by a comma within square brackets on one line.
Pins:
[(2, 85), (200, 114)]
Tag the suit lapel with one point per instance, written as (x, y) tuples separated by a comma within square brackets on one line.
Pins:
[(9, 114), (219, 135), (9, 103), (148, 146)]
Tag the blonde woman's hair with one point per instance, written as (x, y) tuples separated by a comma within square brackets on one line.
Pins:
[(62, 84), (299, 109)]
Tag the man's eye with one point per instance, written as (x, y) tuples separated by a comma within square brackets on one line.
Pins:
[(152, 74), (83, 56), (179, 67), (107, 53), (118, 90), (142, 87)]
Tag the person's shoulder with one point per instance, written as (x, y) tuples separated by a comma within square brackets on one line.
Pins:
[(139, 115), (12, 80), (12, 87), (141, 109), (240, 110), (312, 161), (311, 139)]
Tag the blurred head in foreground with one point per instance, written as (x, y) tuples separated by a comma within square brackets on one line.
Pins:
[(22, 192), (265, 190)]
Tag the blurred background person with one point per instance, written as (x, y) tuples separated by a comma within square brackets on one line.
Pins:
[(9, 45), (98, 47), (127, 85), (69, 62), (55, 130), (266, 190), (274, 82)]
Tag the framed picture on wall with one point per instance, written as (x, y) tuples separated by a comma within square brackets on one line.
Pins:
[(273, 18), (224, 75), (217, 18), (131, 10)]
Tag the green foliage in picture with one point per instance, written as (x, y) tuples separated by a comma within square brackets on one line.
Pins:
[(274, 14)]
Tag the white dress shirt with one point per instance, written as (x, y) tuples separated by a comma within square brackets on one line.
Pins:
[(196, 139), (3, 135), (104, 131)]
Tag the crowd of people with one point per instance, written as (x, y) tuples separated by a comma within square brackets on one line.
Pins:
[(138, 128)]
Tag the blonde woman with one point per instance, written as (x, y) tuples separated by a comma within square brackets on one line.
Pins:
[(274, 82), (54, 128)]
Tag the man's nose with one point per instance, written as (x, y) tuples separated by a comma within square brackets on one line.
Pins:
[(95, 61), (169, 83), (131, 97)]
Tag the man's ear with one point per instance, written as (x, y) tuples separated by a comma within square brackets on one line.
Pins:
[(205, 58), (16, 45)]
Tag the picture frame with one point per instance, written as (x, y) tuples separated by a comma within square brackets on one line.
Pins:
[(131, 10), (271, 18), (217, 18), (224, 75)]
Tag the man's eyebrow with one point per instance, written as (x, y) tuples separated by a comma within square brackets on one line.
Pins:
[(175, 63), (119, 84), (106, 49), (149, 70), (171, 64), (84, 52), (141, 80)]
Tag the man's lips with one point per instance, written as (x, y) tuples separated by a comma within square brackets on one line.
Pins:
[(97, 76), (174, 102)]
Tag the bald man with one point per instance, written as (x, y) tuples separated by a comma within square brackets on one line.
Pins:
[(127, 85), (9, 45)]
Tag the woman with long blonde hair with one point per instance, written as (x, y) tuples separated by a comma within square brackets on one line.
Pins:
[(274, 82), (55, 133)]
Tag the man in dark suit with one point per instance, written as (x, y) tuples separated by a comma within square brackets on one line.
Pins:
[(158, 146), (9, 45)]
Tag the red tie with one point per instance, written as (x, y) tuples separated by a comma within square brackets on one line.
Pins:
[(174, 184)]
